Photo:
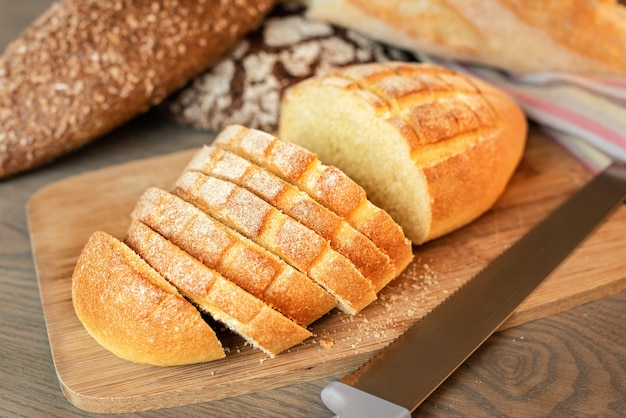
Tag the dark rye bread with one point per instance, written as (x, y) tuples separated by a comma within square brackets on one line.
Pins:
[(85, 66), (258, 323), (247, 85), (360, 250), (234, 256), (300, 246)]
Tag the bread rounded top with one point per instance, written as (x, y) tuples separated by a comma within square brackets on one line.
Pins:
[(282, 235), (132, 311)]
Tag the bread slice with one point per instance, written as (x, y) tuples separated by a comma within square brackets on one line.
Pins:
[(284, 236), (361, 251), (132, 311), (258, 323), (326, 184), (434, 148), (235, 257)]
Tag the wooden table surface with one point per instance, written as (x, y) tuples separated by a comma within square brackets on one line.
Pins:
[(569, 364)]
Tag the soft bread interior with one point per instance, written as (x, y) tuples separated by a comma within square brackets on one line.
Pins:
[(348, 131)]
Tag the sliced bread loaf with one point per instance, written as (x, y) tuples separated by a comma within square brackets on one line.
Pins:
[(326, 184), (361, 251), (258, 323), (300, 246), (234, 256)]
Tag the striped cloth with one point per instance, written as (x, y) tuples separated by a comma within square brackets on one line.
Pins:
[(586, 116)]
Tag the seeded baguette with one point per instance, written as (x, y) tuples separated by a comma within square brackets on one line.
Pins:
[(284, 236), (258, 323), (433, 147), (326, 184), (132, 311), (362, 252), (85, 67), (235, 257)]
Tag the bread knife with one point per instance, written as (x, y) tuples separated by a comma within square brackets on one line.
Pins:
[(398, 379)]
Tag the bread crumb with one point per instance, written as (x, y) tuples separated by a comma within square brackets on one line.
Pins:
[(327, 344)]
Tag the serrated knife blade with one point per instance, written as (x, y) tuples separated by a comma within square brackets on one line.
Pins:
[(398, 379)]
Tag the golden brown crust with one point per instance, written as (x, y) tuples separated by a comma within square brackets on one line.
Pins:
[(234, 256), (135, 313), (302, 168), (84, 67), (468, 183), (254, 320), (362, 252), (300, 246), (578, 36), (440, 147), (440, 105), (426, 98)]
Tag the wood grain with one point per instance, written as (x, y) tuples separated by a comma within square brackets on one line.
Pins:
[(64, 214), (553, 367)]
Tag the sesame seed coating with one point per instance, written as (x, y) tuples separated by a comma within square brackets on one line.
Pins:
[(84, 67)]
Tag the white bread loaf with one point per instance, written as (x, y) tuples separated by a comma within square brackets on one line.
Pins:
[(434, 148), (363, 253), (578, 36), (328, 185), (235, 257), (287, 238), (258, 323), (135, 313), (85, 67)]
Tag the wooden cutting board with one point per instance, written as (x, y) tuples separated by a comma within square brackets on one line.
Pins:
[(64, 214)]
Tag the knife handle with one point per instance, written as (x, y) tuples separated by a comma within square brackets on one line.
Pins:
[(349, 402)]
